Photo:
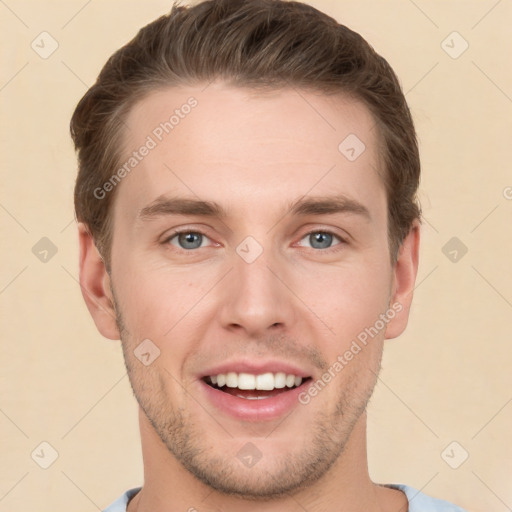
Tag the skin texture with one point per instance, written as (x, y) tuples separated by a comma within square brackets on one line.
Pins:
[(254, 154)]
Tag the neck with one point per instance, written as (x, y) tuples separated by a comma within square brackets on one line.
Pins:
[(345, 487)]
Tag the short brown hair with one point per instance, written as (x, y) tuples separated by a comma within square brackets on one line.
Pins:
[(248, 43)]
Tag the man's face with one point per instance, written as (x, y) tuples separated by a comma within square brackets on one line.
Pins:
[(266, 288)]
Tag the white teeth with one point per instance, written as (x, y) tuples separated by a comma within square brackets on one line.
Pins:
[(246, 381), (290, 381), (264, 382), (253, 397), (280, 380), (232, 380)]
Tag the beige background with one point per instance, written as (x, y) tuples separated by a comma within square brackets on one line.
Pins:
[(447, 379)]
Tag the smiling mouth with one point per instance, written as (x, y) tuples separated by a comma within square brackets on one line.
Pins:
[(255, 387)]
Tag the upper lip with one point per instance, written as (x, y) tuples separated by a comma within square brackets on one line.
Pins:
[(256, 368)]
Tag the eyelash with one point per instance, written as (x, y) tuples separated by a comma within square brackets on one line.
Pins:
[(335, 248)]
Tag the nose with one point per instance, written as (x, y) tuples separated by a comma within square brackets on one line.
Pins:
[(256, 298)]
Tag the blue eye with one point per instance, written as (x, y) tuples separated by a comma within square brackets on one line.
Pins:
[(190, 240), (321, 239), (187, 240)]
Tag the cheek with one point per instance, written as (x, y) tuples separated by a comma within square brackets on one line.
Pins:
[(348, 299), (156, 302)]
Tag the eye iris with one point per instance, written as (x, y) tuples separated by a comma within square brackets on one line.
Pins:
[(190, 240), (323, 239)]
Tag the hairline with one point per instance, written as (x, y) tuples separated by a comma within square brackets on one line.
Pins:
[(154, 87)]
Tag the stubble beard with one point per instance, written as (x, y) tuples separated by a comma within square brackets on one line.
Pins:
[(280, 477)]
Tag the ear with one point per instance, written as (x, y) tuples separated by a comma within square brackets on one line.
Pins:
[(404, 278), (95, 285)]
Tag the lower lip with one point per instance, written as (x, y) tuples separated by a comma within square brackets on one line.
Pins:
[(265, 409)]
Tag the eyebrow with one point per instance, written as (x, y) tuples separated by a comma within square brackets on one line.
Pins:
[(165, 205), (318, 205), (329, 205)]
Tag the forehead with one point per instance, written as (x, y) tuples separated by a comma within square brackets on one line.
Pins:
[(229, 144)]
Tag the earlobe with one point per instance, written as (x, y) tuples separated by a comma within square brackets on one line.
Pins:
[(95, 285), (404, 279)]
